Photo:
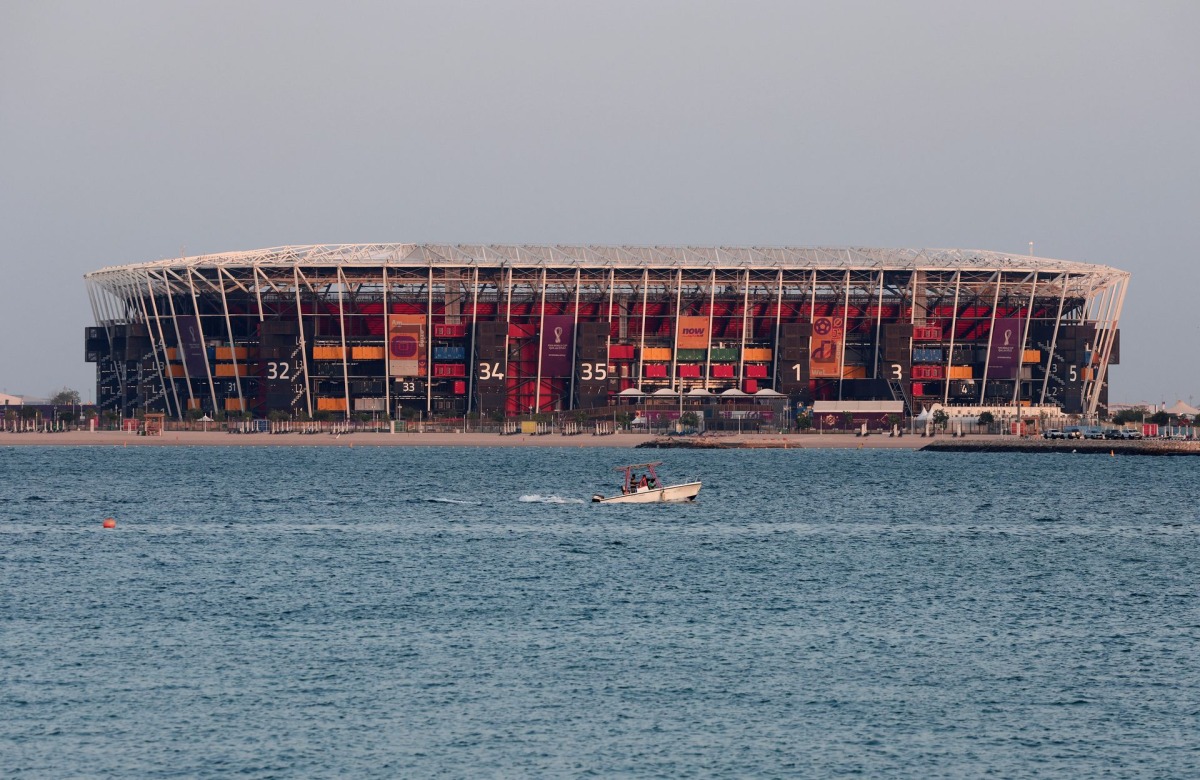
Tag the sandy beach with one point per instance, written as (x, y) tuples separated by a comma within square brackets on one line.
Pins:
[(623, 440)]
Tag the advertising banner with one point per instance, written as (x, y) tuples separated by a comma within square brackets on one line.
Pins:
[(693, 333), (1004, 361), (406, 344), (826, 356), (558, 334), (192, 346)]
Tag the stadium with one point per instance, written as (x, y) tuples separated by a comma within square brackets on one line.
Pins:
[(336, 331)]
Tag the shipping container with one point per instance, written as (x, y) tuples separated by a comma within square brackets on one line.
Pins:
[(328, 353), (655, 370), (960, 372), (723, 371), (690, 371), (331, 404), (757, 353), (622, 352), (449, 353), (656, 353), (755, 371), (691, 355), (449, 369), (367, 353), (449, 331), (723, 354), (235, 405), (232, 353), (228, 369), (370, 404), (1031, 356), (750, 386)]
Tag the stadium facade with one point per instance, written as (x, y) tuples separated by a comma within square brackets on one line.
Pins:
[(460, 329)]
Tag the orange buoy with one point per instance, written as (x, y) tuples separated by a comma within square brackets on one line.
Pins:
[(110, 523)]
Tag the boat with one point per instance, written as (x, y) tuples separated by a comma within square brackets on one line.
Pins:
[(648, 488)]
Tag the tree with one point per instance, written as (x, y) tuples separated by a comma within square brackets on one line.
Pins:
[(689, 420), (65, 397), (987, 418), (893, 420), (1159, 418), (940, 418), (803, 422)]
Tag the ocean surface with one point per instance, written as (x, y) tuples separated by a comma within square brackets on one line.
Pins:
[(393, 612)]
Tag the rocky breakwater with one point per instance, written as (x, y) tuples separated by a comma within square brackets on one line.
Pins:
[(1160, 447)]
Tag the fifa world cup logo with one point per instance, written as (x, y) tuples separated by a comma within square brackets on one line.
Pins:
[(558, 335)]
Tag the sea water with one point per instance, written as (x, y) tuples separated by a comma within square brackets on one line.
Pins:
[(395, 612)]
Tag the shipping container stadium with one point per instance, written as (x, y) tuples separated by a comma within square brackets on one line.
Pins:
[(340, 330)]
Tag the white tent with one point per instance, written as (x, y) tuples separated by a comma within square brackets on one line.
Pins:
[(699, 392), (1180, 408), (767, 392), (631, 392), (733, 391), (665, 391)]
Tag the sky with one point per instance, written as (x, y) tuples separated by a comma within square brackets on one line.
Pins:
[(134, 131)]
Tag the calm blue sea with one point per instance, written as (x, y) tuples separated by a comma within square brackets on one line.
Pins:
[(391, 612)]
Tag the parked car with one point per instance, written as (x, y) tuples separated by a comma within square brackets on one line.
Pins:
[(1053, 433), (1093, 433), (1114, 433), (1072, 432)]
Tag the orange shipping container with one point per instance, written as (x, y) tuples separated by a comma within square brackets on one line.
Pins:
[(366, 353)]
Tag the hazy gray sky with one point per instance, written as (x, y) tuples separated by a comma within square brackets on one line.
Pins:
[(133, 131)]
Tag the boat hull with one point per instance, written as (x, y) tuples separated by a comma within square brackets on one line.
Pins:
[(671, 493)]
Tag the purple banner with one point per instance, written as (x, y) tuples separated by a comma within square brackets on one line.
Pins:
[(557, 336), (1005, 357), (192, 346)]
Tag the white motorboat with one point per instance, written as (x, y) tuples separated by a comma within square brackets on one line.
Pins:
[(647, 488)]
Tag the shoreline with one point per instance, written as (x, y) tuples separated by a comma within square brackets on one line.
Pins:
[(619, 440)]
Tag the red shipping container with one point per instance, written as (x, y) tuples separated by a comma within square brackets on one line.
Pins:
[(750, 386), (449, 369), (460, 388), (656, 371), (689, 371), (722, 371), (517, 330), (449, 331), (621, 352), (756, 371)]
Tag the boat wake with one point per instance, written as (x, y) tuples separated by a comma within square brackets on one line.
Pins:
[(539, 499)]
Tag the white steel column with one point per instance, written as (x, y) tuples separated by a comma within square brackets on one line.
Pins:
[(778, 327), (163, 341), (343, 295), (745, 312), (471, 358), (212, 389), (1113, 319), (1025, 344), (642, 336), (237, 377), (429, 343), (187, 375), (537, 387), (1062, 299), (387, 345), (303, 341), (153, 349), (987, 360), (878, 327), (712, 304), (574, 343), (675, 333), (953, 328), (845, 335)]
